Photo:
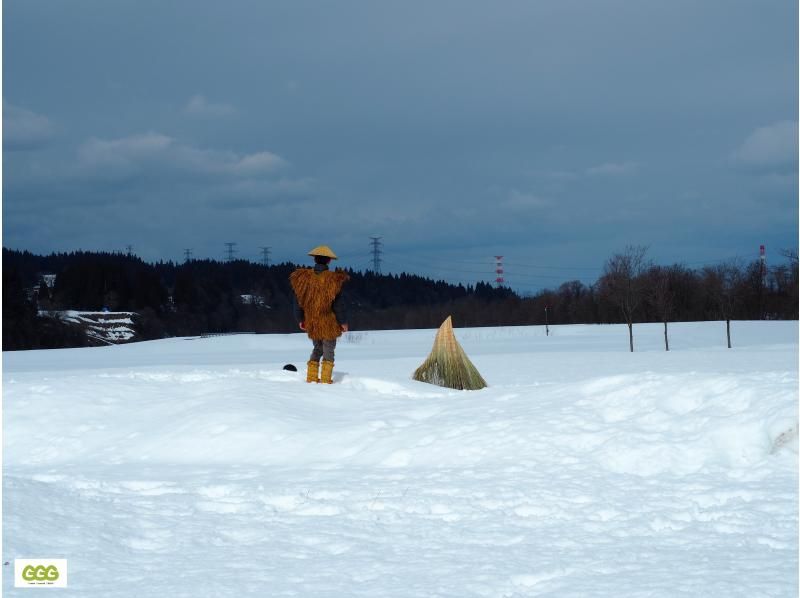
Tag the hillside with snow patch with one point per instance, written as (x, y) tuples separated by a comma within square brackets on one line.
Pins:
[(100, 327)]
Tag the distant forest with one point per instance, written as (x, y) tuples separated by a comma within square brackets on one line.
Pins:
[(203, 296)]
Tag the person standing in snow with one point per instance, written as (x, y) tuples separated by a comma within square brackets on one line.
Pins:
[(320, 311)]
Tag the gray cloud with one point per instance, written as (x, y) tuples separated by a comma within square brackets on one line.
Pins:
[(24, 129), (453, 128), (154, 152), (199, 106), (770, 148), (521, 201), (612, 169)]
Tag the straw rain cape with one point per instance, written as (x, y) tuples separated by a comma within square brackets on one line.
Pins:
[(315, 295)]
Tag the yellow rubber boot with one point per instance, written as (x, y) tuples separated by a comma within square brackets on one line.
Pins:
[(313, 371), (327, 372)]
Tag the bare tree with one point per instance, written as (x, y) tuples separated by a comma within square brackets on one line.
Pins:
[(722, 285), (661, 292), (785, 280), (623, 282), (790, 254)]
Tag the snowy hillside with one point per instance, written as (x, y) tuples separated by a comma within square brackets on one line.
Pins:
[(104, 327), (198, 467)]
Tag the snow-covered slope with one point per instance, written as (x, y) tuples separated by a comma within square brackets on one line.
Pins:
[(583, 470), (104, 327)]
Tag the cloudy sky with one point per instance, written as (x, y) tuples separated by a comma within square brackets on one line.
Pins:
[(552, 132)]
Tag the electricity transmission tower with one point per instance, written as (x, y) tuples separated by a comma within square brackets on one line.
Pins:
[(265, 251), (187, 255), (231, 251), (500, 280), (376, 254)]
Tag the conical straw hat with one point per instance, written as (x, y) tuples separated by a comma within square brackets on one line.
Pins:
[(323, 251), (448, 365)]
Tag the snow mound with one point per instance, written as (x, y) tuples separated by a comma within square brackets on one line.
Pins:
[(641, 424)]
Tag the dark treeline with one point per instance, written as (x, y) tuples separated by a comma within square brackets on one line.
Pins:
[(677, 293), (203, 296)]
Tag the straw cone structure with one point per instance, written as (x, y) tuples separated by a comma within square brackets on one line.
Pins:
[(448, 365)]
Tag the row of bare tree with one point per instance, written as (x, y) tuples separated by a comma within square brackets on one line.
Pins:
[(630, 280)]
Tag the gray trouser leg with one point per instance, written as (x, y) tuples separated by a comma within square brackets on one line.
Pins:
[(323, 349), (316, 353)]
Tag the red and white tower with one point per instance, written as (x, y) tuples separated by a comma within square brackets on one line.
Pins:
[(500, 280), (762, 283)]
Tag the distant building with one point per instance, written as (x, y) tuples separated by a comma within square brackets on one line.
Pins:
[(32, 293), (253, 300)]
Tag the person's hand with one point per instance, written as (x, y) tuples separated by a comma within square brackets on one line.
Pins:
[(302, 326), (345, 327)]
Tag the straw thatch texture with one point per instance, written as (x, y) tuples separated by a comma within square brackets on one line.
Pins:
[(448, 365), (316, 293)]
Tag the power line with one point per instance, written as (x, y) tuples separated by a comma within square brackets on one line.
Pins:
[(538, 266), (488, 260), (445, 265), (486, 273)]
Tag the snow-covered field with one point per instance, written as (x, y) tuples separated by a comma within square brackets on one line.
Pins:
[(198, 467)]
